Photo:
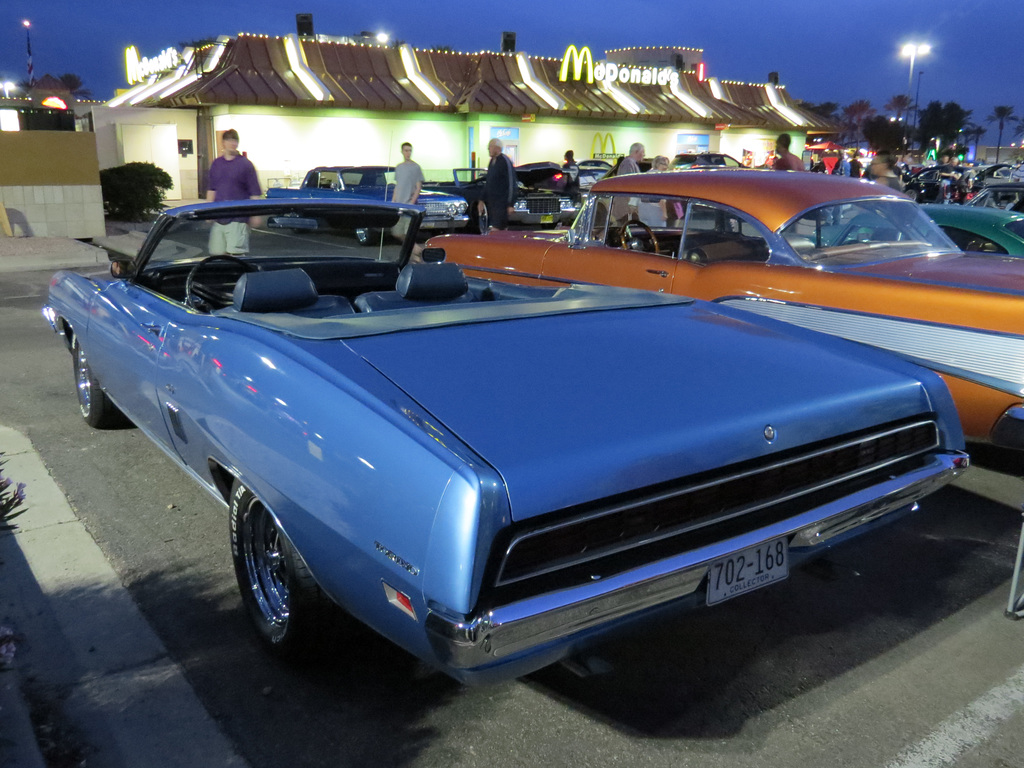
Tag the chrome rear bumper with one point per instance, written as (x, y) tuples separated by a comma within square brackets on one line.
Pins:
[(517, 628)]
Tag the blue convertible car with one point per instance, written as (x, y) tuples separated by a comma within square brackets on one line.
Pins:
[(492, 476)]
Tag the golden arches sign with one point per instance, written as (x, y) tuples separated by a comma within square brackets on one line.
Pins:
[(579, 58), (602, 145)]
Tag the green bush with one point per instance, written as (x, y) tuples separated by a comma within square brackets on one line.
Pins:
[(134, 191)]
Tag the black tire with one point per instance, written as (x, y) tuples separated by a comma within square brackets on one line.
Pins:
[(481, 222), (97, 409), (278, 591)]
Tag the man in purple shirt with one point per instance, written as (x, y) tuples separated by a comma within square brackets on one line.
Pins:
[(232, 177)]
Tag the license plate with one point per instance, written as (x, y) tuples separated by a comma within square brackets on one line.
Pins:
[(748, 570), (547, 219)]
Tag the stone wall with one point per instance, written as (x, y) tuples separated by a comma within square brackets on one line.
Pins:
[(50, 184)]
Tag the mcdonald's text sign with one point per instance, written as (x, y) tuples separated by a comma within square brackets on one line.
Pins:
[(578, 64)]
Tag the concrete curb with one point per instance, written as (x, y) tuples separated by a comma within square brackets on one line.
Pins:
[(85, 637), (23, 254)]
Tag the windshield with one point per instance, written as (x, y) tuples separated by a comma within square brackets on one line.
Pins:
[(286, 233), (864, 231), (1016, 227)]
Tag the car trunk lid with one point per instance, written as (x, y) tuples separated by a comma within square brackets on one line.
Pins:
[(578, 407)]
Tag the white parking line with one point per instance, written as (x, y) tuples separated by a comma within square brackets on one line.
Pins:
[(967, 728)]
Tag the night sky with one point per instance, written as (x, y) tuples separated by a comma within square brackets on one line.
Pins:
[(823, 51)]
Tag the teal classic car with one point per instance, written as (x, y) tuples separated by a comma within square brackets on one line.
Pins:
[(988, 230)]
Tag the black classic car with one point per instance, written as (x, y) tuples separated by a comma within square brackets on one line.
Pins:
[(534, 205)]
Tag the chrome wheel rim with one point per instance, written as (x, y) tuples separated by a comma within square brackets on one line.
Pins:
[(265, 563), (84, 384)]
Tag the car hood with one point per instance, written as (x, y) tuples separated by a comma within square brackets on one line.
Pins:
[(578, 407), (981, 271), (538, 173)]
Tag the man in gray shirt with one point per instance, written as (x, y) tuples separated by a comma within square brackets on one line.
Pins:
[(623, 208), (408, 184), (408, 178)]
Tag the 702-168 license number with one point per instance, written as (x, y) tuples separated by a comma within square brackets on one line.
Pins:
[(748, 570)]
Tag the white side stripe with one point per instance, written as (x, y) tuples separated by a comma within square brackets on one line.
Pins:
[(994, 359)]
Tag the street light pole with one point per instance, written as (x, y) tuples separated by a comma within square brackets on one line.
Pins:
[(917, 98), (28, 44), (912, 50)]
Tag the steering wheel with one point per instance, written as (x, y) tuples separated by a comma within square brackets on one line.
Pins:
[(196, 293), (624, 235)]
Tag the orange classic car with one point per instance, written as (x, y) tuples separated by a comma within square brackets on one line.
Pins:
[(839, 255)]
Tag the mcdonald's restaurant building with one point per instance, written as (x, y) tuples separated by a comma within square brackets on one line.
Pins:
[(302, 101)]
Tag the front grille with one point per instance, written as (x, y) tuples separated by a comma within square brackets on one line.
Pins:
[(436, 208), (613, 526), (543, 204)]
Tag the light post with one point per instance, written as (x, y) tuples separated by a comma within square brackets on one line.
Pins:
[(917, 100), (913, 50), (8, 87), (28, 45)]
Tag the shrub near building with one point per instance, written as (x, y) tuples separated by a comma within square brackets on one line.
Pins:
[(134, 191)]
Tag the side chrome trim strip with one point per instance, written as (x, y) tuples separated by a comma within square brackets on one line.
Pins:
[(507, 273), (503, 631), (989, 358)]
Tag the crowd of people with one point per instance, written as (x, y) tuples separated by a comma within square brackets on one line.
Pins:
[(233, 177)]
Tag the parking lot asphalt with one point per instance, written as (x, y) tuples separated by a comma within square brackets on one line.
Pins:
[(100, 653), (80, 630)]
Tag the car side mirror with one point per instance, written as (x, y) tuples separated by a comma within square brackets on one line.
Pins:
[(120, 266), (433, 255), (573, 239)]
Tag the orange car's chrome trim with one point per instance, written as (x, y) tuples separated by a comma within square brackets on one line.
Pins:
[(990, 358)]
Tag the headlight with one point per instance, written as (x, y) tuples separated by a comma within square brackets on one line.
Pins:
[(520, 206), (567, 204)]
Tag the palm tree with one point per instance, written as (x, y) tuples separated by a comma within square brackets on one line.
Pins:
[(854, 116), (900, 104), (1002, 115), (975, 132), (74, 84)]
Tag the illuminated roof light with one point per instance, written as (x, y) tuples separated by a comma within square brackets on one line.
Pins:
[(782, 109), (412, 70), (622, 98), (131, 92), (530, 78), (716, 88), (297, 62), (54, 102), (383, 37), (691, 103)]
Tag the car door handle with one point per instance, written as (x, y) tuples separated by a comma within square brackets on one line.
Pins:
[(658, 272), (153, 328)]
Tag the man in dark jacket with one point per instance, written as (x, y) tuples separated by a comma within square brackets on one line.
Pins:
[(572, 176), (499, 187)]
